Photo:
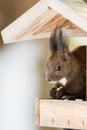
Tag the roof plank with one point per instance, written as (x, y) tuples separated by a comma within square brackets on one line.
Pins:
[(39, 21), (69, 11)]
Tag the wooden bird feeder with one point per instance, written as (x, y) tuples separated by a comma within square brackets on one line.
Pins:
[(38, 22)]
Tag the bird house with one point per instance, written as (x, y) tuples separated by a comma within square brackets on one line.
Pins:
[(38, 22)]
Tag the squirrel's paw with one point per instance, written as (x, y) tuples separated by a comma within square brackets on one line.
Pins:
[(53, 93), (60, 92), (57, 93)]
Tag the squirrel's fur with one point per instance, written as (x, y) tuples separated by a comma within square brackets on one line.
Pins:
[(72, 65)]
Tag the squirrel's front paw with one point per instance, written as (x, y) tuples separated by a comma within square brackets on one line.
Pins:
[(57, 93), (53, 93)]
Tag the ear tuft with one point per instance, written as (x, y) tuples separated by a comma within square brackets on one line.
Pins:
[(58, 42), (54, 40)]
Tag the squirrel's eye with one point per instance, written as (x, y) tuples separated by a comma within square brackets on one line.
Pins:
[(58, 68)]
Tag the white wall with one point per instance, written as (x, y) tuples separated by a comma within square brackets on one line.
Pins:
[(21, 73), (21, 80)]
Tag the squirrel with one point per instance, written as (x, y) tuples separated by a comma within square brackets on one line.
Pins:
[(68, 65)]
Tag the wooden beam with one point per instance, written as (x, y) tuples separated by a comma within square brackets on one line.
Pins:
[(65, 9), (61, 113)]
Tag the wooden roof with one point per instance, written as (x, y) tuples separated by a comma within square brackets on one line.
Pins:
[(39, 21)]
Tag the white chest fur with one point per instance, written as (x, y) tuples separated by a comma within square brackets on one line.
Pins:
[(63, 81)]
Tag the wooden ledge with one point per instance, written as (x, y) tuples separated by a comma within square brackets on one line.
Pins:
[(61, 113)]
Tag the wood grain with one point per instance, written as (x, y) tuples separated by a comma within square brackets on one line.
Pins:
[(63, 114), (65, 9), (41, 27)]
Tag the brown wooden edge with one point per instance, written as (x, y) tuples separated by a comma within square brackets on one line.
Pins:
[(37, 111)]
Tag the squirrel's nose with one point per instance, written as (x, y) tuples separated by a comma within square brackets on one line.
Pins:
[(49, 78)]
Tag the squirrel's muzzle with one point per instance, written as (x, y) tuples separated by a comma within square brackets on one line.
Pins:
[(49, 77)]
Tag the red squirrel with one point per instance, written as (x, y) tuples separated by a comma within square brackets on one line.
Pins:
[(63, 64)]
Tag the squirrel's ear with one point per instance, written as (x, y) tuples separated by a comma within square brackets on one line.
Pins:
[(62, 42), (53, 41), (58, 42), (65, 46)]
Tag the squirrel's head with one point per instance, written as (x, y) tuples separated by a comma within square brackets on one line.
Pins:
[(58, 64)]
